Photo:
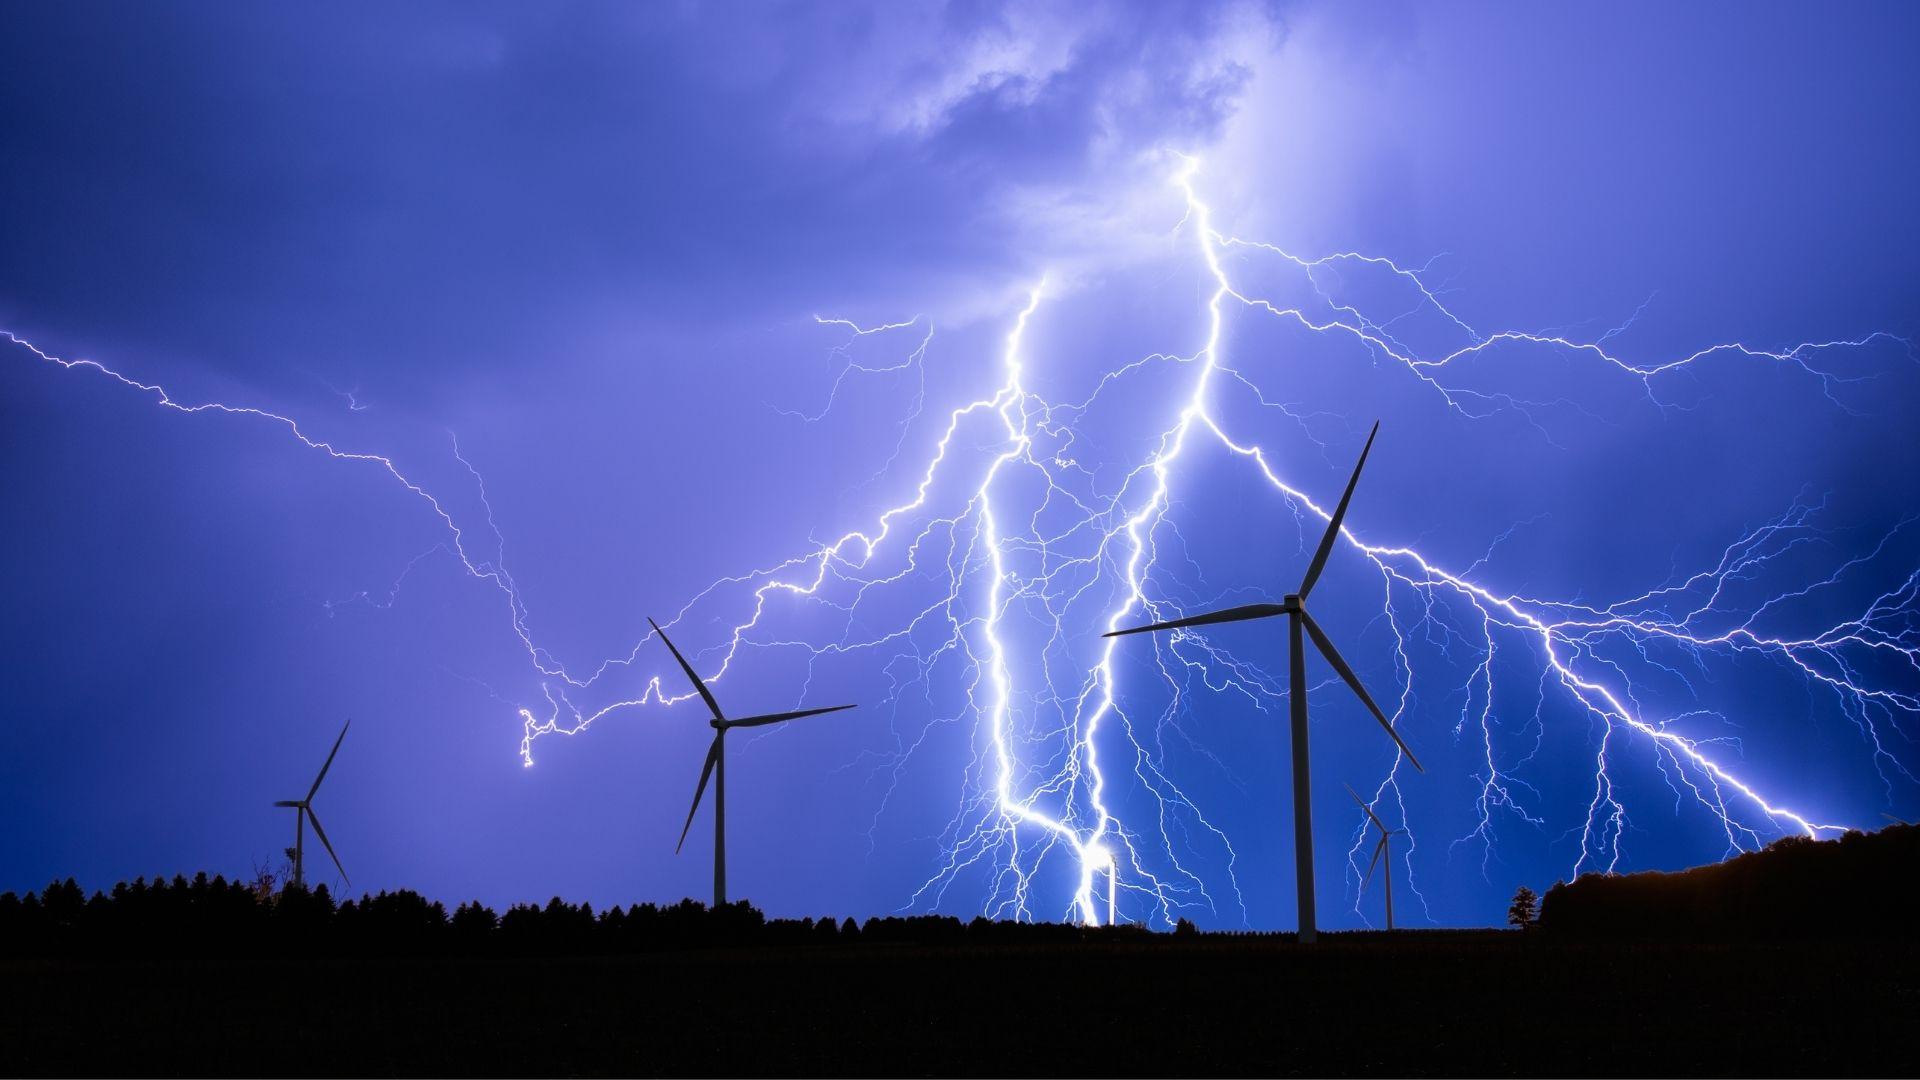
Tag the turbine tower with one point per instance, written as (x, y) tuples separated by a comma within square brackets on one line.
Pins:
[(716, 766), (303, 811), (1294, 607), (1382, 848)]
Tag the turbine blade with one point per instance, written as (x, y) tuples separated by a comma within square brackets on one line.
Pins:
[(1368, 809), (705, 694), (775, 718), (1333, 657), (713, 758), (1333, 523), (329, 764), (1233, 614), (1377, 849), (322, 834)]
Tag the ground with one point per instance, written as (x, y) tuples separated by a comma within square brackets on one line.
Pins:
[(1406, 1004)]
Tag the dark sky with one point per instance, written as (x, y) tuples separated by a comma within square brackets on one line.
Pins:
[(606, 246)]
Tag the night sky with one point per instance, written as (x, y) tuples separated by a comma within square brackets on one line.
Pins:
[(655, 302)]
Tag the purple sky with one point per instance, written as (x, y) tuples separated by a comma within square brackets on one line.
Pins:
[(625, 255)]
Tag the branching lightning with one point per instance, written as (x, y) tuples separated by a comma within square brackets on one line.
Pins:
[(1009, 555)]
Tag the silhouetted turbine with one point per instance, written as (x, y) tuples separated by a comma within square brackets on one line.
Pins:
[(1295, 608), (303, 811), (1382, 848), (716, 766)]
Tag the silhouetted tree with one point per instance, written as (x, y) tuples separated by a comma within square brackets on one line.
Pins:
[(63, 903), (265, 883), (1524, 909)]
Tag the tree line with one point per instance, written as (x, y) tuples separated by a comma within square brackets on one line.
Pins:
[(207, 915), (1860, 885)]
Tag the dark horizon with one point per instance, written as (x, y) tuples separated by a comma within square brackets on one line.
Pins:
[(1786, 961)]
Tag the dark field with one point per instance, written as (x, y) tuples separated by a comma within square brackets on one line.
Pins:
[(1441, 1003)]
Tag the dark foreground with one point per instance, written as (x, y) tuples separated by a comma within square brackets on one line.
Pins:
[(1418, 1003)]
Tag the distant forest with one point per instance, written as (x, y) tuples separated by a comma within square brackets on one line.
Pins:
[(1862, 885), (214, 915)]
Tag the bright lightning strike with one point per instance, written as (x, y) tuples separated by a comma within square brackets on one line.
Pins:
[(1009, 555)]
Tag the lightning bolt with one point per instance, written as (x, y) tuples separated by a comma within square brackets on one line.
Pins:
[(980, 591)]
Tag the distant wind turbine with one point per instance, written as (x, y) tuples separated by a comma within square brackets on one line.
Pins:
[(303, 811), (1295, 608), (1382, 848), (716, 766)]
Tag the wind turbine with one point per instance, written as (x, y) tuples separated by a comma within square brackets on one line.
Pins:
[(1382, 848), (716, 766), (1294, 607), (303, 811)]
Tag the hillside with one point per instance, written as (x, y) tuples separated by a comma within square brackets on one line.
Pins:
[(1859, 886)]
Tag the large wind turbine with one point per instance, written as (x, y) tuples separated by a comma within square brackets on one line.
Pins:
[(1294, 607), (303, 811), (716, 766), (1382, 848)]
